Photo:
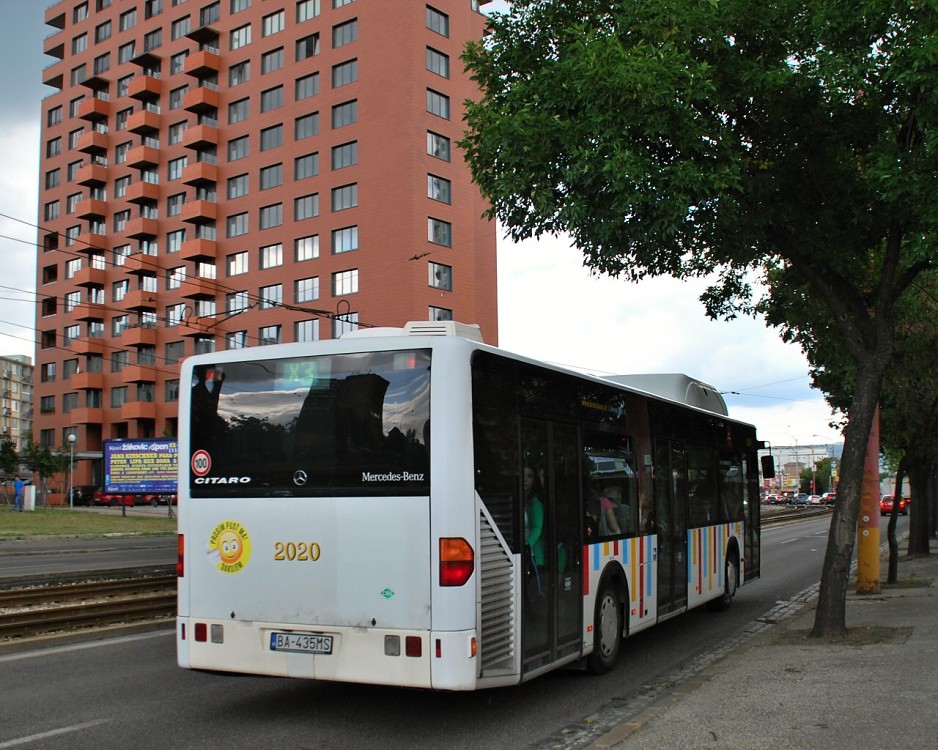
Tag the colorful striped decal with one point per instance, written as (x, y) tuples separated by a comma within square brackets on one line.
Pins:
[(633, 553)]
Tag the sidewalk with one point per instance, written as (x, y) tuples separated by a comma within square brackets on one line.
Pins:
[(784, 690)]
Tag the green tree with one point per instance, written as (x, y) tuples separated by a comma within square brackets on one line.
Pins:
[(44, 462), (792, 144), (9, 460)]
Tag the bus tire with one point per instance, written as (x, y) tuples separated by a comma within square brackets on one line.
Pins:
[(731, 583), (607, 632)]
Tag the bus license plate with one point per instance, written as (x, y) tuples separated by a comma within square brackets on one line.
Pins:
[(304, 643)]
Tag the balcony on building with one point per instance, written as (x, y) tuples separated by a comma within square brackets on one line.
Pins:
[(85, 381), (206, 36), (142, 192), (54, 46), (199, 211), (86, 415), (199, 288), (143, 121), (97, 83), (200, 136), (140, 299), (202, 63), (142, 264), (200, 100), (200, 173), (198, 249), (142, 157), (137, 335), (142, 227), (53, 75), (138, 410), (145, 88), (89, 311), (87, 345), (93, 142), (91, 242), (55, 16), (93, 109), (138, 374), (91, 208), (91, 174), (88, 275)]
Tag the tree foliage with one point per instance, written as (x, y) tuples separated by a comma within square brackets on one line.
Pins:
[(788, 143)]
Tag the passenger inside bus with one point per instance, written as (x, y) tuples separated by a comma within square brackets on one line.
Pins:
[(610, 505)]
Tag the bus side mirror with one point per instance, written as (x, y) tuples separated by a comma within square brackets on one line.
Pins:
[(768, 467)]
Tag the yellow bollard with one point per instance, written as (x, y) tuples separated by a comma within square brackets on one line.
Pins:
[(868, 565)]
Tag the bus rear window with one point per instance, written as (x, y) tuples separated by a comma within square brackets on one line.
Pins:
[(348, 424)]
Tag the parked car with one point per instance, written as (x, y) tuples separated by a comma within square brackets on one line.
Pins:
[(772, 499), (885, 505), (800, 498), (829, 497), (114, 499), (82, 494), (162, 499), (814, 500)]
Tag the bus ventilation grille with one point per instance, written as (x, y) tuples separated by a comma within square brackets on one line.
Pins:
[(496, 632)]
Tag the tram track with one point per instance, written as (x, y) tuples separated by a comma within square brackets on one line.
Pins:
[(58, 608)]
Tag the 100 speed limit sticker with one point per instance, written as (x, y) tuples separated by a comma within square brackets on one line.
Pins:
[(201, 463)]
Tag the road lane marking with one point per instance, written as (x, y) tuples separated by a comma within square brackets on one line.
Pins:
[(54, 650), (51, 733)]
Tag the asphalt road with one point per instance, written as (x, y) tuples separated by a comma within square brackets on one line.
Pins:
[(128, 691)]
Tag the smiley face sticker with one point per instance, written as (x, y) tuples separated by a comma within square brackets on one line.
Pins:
[(229, 547)]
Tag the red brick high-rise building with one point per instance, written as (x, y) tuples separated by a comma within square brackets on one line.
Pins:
[(238, 173)]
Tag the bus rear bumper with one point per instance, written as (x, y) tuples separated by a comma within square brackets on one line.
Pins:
[(406, 658)]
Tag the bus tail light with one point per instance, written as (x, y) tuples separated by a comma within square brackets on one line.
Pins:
[(180, 555), (456, 561)]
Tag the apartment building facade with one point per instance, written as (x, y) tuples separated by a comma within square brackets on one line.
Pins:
[(16, 399), (244, 172)]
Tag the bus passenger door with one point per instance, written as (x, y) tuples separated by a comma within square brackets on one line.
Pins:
[(550, 609), (671, 518)]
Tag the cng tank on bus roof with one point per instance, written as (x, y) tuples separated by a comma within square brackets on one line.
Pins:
[(677, 387), (469, 331)]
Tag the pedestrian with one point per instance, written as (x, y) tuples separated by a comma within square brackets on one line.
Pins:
[(18, 485)]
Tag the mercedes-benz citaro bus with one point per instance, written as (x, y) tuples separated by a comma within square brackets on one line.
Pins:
[(412, 507)]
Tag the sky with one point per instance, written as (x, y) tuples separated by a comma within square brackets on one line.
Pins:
[(606, 326)]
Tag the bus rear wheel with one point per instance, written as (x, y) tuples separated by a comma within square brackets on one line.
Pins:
[(607, 632), (731, 577)]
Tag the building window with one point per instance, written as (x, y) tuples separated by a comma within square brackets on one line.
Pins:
[(341, 3), (79, 44), (440, 313), (120, 152), (237, 225), (345, 323), (344, 73), (272, 99), (179, 28), (238, 5), (174, 240), (344, 240), (271, 256), (439, 232), (345, 196), (437, 21), (306, 9), (210, 14), (271, 61), (174, 168), (306, 330), (271, 137), (238, 148), (307, 86), (126, 52), (118, 396), (437, 62), (176, 95), (152, 8), (174, 204), (344, 33), (239, 110), (80, 13), (439, 189), (239, 37), (237, 264), (306, 207), (441, 276), (268, 335), (270, 296), (271, 216), (306, 126), (175, 277), (307, 47), (54, 116), (153, 40), (305, 166), (306, 248), (171, 392), (271, 176), (174, 351), (437, 104), (345, 282), (345, 155), (306, 290), (345, 114), (177, 62), (272, 24), (236, 339), (54, 147), (236, 302), (176, 132), (239, 73), (237, 186)]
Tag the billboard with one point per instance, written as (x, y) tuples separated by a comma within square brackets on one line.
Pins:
[(146, 466)]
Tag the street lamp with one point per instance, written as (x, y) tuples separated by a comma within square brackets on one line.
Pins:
[(72, 437)]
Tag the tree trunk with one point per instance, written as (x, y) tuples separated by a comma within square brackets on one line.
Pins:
[(919, 528), (893, 570), (830, 618)]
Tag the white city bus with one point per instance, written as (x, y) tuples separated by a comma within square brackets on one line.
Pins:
[(413, 507)]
